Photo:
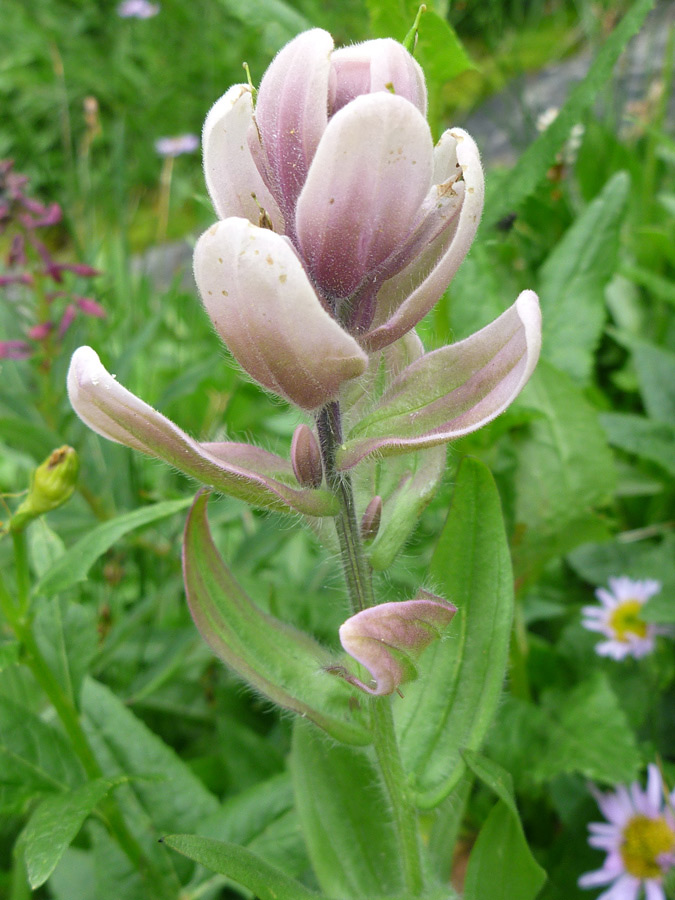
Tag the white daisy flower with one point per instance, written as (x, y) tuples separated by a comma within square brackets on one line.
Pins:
[(618, 618), (638, 837)]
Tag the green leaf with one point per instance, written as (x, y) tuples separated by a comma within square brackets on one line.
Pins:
[(281, 662), (32, 753), (67, 635), (9, 654), (653, 441), (55, 823), (78, 559), (415, 480), (573, 279), (44, 546), (506, 196), (564, 469), (588, 734), (656, 375), (344, 816), (501, 865), (267, 882), (167, 788), (450, 705)]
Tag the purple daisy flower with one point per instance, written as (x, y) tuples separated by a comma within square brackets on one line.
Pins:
[(638, 837), (618, 618)]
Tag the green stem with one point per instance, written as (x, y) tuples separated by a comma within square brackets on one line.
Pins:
[(354, 562), (359, 582), (393, 774), (22, 570)]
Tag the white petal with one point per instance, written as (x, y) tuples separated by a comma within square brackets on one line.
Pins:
[(231, 175), (264, 308)]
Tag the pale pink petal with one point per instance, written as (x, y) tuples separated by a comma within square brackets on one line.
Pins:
[(608, 600), (654, 792), (264, 308), (626, 888), (653, 890), (369, 177), (378, 65), (403, 314), (291, 115), (114, 412), (452, 391), (232, 177)]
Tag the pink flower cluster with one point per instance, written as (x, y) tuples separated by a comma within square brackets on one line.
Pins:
[(29, 267)]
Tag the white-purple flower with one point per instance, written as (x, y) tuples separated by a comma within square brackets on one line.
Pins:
[(137, 9), (638, 837), (176, 146), (618, 617)]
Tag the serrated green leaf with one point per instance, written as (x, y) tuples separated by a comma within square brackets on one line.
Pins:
[(588, 734), (168, 790), (267, 882), (344, 816), (32, 753), (653, 441), (564, 469), (283, 663), (450, 705), (501, 865), (534, 163), (78, 559), (573, 279), (55, 823)]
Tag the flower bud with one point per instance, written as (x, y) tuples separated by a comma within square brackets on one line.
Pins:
[(306, 457), (52, 484), (387, 639), (370, 523)]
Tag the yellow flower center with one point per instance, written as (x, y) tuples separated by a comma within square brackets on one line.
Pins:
[(644, 840), (625, 620)]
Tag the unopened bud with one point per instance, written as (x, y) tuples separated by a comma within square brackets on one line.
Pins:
[(370, 523), (52, 484), (306, 457)]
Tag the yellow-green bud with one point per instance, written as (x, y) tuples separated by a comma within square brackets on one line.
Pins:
[(52, 484)]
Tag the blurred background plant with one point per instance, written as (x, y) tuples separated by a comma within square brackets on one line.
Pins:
[(584, 462)]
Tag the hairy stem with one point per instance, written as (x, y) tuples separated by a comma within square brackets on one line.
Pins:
[(359, 582)]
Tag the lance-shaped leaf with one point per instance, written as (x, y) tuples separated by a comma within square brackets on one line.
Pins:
[(284, 664), (452, 391), (388, 638), (240, 470)]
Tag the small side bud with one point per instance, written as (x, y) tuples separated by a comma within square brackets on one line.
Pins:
[(387, 639), (370, 523), (306, 457), (52, 484)]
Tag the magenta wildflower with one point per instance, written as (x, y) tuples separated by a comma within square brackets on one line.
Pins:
[(638, 838)]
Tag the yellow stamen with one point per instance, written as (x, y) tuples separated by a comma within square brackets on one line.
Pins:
[(644, 840), (625, 620)]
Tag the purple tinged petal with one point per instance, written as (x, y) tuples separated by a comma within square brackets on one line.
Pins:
[(600, 876), (626, 888), (654, 791), (387, 638), (15, 350), (399, 308), (114, 412), (291, 115), (372, 66), (90, 307), (264, 308), (67, 319), (232, 177), (454, 390), (653, 890), (369, 178)]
